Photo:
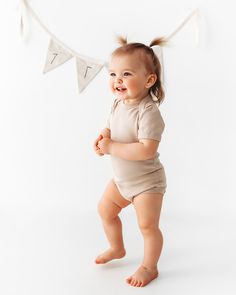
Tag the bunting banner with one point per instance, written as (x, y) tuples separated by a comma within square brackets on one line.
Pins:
[(87, 68)]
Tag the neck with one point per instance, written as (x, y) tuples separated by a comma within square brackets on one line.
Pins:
[(135, 100)]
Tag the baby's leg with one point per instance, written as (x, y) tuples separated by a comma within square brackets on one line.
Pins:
[(148, 207), (109, 207)]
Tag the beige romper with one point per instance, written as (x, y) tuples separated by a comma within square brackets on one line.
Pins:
[(129, 123)]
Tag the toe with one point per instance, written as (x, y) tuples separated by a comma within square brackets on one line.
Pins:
[(139, 284), (136, 283), (133, 282), (128, 280), (98, 261), (144, 283)]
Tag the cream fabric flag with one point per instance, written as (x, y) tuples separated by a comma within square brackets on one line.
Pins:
[(56, 56), (87, 69)]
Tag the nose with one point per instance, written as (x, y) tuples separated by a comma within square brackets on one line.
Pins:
[(118, 79)]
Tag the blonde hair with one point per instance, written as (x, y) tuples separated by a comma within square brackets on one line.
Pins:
[(149, 58)]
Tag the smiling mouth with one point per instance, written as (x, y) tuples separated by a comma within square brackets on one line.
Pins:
[(120, 89)]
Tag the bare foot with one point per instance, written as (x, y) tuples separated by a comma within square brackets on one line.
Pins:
[(109, 255), (142, 276)]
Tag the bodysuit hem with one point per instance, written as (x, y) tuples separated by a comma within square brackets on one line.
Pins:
[(160, 189)]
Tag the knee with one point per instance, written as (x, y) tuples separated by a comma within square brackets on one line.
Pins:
[(148, 227), (101, 209), (106, 210)]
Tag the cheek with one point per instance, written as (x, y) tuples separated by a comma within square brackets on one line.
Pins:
[(132, 84)]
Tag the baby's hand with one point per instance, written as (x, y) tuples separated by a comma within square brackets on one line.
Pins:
[(105, 145), (96, 148)]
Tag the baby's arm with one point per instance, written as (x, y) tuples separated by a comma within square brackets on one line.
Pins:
[(138, 151)]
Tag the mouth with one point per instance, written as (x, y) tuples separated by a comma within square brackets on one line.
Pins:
[(120, 89)]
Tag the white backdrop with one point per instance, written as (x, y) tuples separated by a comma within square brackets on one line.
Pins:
[(47, 128)]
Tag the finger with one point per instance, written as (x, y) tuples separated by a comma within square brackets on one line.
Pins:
[(99, 150), (95, 149), (99, 138), (96, 141), (95, 146)]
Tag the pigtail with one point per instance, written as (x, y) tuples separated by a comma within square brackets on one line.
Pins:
[(121, 40), (157, 89), (160, 41)]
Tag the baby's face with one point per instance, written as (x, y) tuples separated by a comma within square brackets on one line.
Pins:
[(128, 77)]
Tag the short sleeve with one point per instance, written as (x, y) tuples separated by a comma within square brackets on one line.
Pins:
[(151, 123), (107, 120), (107, 124)]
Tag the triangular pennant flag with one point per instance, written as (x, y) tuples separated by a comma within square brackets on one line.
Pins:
[(56, 56), (159, 53), (86, 71)]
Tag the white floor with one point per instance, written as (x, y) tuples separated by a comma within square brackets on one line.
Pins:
[(50, 250)]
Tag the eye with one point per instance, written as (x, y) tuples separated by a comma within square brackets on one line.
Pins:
[(112, 74), (127, 74)]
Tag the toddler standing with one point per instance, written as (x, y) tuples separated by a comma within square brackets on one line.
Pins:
[(131, 138)]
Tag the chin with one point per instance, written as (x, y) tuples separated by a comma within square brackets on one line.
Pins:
[(120, 95)]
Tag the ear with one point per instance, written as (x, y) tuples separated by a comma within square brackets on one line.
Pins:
[(151, 80)]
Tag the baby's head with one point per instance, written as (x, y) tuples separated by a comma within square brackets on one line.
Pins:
[(135, 71)]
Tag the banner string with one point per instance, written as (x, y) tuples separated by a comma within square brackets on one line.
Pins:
[(184, 22), (84, 63), (24, 3)]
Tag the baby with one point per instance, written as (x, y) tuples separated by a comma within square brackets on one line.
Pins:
[(131, 138)]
